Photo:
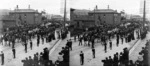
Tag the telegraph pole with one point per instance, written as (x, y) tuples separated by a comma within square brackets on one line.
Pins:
[(95, 8), (64, 15), (144, 12)]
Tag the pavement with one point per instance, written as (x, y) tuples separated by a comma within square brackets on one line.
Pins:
[(20, 53), (138, 47), (53, 55)]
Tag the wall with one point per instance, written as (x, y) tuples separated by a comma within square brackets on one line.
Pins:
[(83, 20), (104, 18), (117, 19), (29, 18)]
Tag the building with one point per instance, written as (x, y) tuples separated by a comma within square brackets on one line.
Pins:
[(97, 17), (106, 16), (136, 18), (81, 18), (8, 22), (21, 17), (26, 16), (3, 12), (57, 18)]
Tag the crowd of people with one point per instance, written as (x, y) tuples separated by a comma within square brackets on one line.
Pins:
[(42, 59), (104, 34), (125, 33), (63, 57), (26, 34), (119, 59), (122, 59), (143, 56)]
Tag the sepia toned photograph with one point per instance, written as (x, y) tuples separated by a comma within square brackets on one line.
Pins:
[(74, 32)]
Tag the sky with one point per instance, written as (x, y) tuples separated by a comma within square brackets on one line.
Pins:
[(50, 6), (129, 6), (56, 6)]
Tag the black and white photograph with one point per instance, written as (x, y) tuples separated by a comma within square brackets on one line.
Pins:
[(74, 32)]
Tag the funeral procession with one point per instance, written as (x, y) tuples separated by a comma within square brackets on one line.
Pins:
[(75, 33)]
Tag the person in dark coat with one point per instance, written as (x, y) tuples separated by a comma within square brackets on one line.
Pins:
[(115, 59), (92, 43), (80, 41), (122, 39), (110, 61), (93, 52), (25, 62), (2, 57), (82, 58), (70, 44), (110, 45), (46, 54), (31, 44), (105, 47), (25, 47), (31, 63), (121, 57), (14, 52), (105, 62), (117, 42), (38, 42)]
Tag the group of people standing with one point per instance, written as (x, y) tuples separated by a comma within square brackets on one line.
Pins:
[(88, 38), (25, 36), (41, 59), (118, 59), (64, 55), (143, 57)]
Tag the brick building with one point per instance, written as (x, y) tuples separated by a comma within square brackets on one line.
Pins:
[(97, 17), (106, 16), (26, 16), (8, 22), (81, 18), (20, 17)]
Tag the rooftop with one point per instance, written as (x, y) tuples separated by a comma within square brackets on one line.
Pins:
[(81, 12), (25, 10), (104, 11)]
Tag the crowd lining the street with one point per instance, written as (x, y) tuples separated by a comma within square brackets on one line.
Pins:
[(89, 37)]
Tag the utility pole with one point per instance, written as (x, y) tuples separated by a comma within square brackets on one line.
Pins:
[(144, 12), (94, 17), (96, 24), (64, 15)]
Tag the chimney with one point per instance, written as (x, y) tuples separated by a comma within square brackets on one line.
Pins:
[(17, 7), (108, 7), (29, 7), (96, 7)]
